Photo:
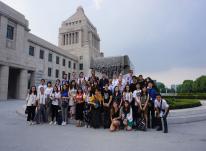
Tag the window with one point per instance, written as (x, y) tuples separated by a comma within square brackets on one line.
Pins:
[(74, 66), (81, 66), (49, 72), (57, 59), (57, 73), (69, 64), (69, 74), (31, 50), (41, 54), (50, 57), (63, 73), (10, 32), (63, 62), (81, 57)]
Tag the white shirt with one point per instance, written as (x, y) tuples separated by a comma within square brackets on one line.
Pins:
[(128, 96), (41, 98), (48, 91), (38, 89), (136, 93), (55, 98), (164, 104), (31, 99)]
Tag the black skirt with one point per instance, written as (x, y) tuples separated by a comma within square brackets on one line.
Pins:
[(79, 111)]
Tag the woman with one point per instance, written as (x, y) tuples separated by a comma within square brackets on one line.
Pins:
[(96, 101), (64, 104), (126, 115), (72, 93), (55, 97), (115, 117), (117, 97), (143, 104), (79, 99), (31, 104), (48, 91), (127, 94)]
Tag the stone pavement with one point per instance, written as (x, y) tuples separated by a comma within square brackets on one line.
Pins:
[(16, 135)]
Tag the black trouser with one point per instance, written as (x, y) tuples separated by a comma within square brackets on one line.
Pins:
[(162, 123), (54, 111), (106, 119), (31, 113), (151, 119)]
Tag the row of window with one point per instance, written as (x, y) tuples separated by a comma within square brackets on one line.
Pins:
[(50, 57), (57, 73), (73, 23)]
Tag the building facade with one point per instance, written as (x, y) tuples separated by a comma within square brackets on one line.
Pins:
[(25, 59)]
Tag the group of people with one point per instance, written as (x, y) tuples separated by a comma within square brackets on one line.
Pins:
[(123, 102)]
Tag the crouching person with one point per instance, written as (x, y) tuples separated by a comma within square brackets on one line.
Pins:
[(162, 109), (127, 116), (41, 115)]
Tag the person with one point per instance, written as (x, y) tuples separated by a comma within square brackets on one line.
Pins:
[(96, 101), (64, 104), (41, 115), (72, 93), (104, 80), (115, 117), (151, 112), (135, 103), (64, 80), (128, 77), (107, 99), (126, 116), (79, 99), (93, 78), (127, 94), (55, 97), (121, 83), (117, 96), (42, 84), (143, 104), (162, 109), (58, 84), (133, 84), (80, 79), (31, 100), (48, 91)]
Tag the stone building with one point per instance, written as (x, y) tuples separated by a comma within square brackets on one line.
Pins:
[(25, 58)]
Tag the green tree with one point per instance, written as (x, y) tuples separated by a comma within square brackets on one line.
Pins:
[(199, 84), (187, 86), (161, 87)]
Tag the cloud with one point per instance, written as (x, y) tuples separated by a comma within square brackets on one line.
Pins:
[(98, 3)]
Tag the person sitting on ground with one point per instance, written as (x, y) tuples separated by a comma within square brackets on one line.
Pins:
[(126, 115), (115, 117)]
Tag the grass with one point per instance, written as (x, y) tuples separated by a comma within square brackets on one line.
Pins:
[(183, 103)]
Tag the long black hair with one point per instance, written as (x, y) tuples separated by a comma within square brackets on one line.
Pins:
[(30, 91)]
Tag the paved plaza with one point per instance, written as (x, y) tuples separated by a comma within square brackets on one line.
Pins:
[(16, 135)]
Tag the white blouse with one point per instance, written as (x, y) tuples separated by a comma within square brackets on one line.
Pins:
[(31, 99)]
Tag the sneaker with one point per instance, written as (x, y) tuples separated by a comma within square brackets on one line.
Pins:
[(55, 123), (51, 123), (159, 129), (63, 123)]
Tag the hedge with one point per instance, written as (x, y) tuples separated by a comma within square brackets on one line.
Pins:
[(183, 103)]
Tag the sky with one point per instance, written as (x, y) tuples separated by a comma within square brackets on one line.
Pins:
[(165, 39)]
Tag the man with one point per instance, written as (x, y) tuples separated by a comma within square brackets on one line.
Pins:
[(103, 81), (107, 99), (64, 80), (42, 84), (151, 112), (93, 77), (162, 109), (128, 77)]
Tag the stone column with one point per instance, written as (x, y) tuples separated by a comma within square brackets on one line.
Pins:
[(4, 80), (23, 84)]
